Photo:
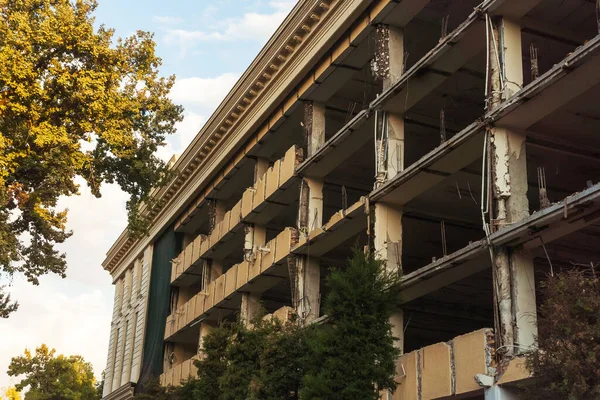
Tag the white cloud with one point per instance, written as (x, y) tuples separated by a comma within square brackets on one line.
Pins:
[(251, 26), (203, 92), (186, 131), (200, 97), (283, 5), (66, 315), (73, 315), (166, 20)]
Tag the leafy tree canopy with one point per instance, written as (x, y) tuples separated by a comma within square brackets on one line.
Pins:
[(74, 102), (353, 357), (49, 376), (566, 363)]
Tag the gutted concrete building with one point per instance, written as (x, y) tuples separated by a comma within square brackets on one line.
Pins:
[(453, 138)]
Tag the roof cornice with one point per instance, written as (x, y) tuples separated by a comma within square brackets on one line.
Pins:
[(257, 82)]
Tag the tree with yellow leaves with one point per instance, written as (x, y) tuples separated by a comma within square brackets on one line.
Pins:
[(74, 102), (12, 394), (49, 376)]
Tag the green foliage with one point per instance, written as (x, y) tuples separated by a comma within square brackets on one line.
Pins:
[(350, 358), (51, 376), (6, 306), (213, 365), (353, 357), (74, 102), (242, 354), (152, 390), (283, 362), (565, 365)]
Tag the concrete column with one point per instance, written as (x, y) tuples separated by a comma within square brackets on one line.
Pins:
[(219, 210), (215, 269), (314, 126), (128, 348), (127, 290), (255, 237), (387, 243), (387, 67), (308, 270), (136, 344), (388, 61), (513, 57), (118, 363), (205, 328), (168, 356), (513, 268), (395, 146), (308, 288), (510, 175), (310, 213), (110, 363), (524, 304), (250, 307), (387, 227), (260, 168), (397, 321), (510, 168)]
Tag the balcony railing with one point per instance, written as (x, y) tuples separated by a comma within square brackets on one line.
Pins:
[(269, 187), (236, 279), (179, 373)]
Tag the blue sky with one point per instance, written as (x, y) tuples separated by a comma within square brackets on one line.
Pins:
[(207, 45), (202, 38)]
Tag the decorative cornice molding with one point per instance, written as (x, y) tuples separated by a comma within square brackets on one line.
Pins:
[(259, 81)]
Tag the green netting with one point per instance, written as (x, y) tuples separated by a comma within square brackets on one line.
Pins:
[(165, 249)]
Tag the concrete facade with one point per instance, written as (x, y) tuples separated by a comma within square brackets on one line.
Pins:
[(456, 140)]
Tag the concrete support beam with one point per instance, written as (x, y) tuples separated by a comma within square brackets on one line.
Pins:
[(308, 288), (510, 175), (387, 230), (217, 211), (395, 150), (523, 295), (307, 291), (216, 214), (260, 168), (255, 237), (513, 58), (250, 307), (314, 126), (310, 212), (215, 269), (513, 269), (388, 66), (205, 329), (512, 9), (387, 242), (397, 321), (555, 32), (389, 147), (388, 61)]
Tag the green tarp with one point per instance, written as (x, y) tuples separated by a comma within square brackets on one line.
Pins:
[(165, 249)]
